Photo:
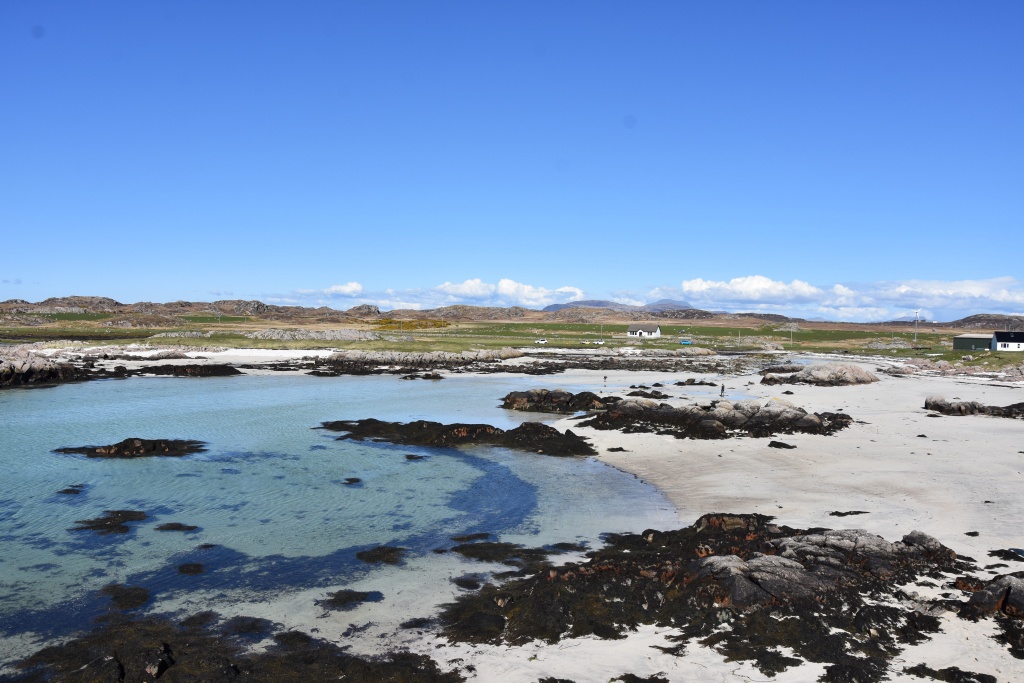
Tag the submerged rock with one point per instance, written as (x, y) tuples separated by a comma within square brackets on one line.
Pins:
[(384, 554), (112, 522), (139, 448), (346, 599), (529, 436)]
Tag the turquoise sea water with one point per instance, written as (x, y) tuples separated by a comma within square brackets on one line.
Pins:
[(269, 494)]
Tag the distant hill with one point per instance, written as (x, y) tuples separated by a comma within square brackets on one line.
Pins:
[(656, 307), (990, 321)]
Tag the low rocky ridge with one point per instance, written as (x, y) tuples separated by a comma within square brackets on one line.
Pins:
[(35, 371), (354, 362), (314, 335), (139, 448), (718, 420), (529, 436), (941, 405), (747, 588), (822, 375), (556, 401), (201, 650), (192, 370)]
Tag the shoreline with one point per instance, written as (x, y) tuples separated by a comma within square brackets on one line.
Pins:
[(937, 483)]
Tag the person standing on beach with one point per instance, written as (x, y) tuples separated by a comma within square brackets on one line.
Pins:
[(722, 393)]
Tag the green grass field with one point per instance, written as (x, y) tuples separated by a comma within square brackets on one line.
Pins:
[(208, 319), (463, 336)]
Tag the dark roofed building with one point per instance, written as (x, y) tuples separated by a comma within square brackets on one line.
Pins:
[(972, 342), (1008, 341), (643, 330)]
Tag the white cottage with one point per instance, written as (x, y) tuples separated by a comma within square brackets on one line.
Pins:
[(1008, 341), (643, 330)]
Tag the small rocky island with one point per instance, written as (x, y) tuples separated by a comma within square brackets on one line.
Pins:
[(529, 436), (139, 448)]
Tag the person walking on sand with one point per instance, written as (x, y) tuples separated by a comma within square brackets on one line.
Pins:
[(722, 393)]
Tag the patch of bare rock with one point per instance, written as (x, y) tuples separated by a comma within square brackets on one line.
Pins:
[(823, 375)]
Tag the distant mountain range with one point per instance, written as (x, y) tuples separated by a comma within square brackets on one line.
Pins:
[(656, 307)]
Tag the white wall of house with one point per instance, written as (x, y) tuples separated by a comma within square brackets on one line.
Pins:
[(1006, 346), (643, 333)]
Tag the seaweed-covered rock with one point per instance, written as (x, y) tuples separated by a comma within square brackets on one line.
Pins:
[(941, 405), (112, 522), (197, 650), (825, 595), (139, 448), (719, 420), (557, 401), (529, 436), (192, 370)]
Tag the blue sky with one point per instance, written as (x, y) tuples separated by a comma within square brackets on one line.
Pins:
[(837, 160)]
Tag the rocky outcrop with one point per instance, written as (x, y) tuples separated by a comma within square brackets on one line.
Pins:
[(823, 375), (35, 371), (690, 351), (556, 401), (719, 420), (529, 436), (941, 405), (139, 448), (738, 583), (313, 335), (356, 362), (363, 311), (1003, 594)]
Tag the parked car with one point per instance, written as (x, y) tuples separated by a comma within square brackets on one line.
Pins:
[(599, 341), (541, 341), (585, 341), (686, 342)]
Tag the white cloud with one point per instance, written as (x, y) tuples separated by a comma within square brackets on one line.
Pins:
[(470, 289), (528, 295), (475, 291), (347, 289), (751, 288), (855, 302)]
